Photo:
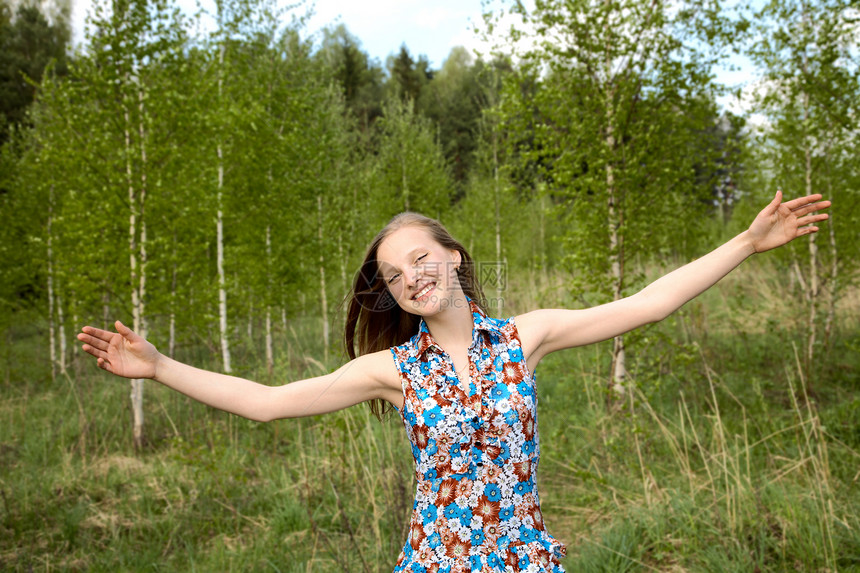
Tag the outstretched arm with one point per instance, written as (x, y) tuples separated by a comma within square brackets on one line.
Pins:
[(126, 354), (546, 331)]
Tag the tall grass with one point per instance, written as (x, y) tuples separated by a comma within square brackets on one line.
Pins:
[(719, 459)]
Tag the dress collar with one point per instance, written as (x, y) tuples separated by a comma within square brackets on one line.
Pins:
[(480, 322)]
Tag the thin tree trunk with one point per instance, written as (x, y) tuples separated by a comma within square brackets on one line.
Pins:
[(270, 353), (341, 251), (105, 309), (343, 260), (404, 180), (616, 248), (499, 269), (251, 320), (133, 202), (812, 293), (75, 325), (52, 348), (219, 224), (544, 257), (171, 328), (323, 297), (833, 291), (141, 299), (61, 334)]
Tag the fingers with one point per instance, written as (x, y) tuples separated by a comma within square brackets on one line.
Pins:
[(812, 219), (97, 332), (104, 364), (802, 201), (810, 208), (99, 354), (93, 341)]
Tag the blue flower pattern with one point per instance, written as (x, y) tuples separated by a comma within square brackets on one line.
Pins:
[(476, 453)]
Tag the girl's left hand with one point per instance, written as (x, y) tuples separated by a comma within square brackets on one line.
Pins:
[(780, 223)]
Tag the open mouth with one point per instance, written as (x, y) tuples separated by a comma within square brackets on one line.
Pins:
[(424, 292)]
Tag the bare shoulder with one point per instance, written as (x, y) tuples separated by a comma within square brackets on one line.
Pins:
[(378, 367), (532, 328), (537, 322), (381, 372)]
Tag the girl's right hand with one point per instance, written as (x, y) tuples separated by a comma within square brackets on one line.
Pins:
[(123, 352)]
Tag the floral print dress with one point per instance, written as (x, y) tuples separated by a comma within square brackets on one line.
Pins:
[(476, 454)]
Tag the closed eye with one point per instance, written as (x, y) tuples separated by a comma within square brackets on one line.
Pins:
[(394, 278)]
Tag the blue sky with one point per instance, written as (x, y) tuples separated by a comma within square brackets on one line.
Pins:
[(428, 27)]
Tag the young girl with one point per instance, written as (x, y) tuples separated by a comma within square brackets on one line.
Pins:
[(462, 382)]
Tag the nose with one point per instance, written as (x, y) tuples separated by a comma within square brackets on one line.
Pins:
[(412, 275)]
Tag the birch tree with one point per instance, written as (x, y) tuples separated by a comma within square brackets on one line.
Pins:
[(808, 49), (621, 98), (97, 133)]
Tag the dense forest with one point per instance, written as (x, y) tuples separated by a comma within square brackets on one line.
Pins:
[(214, 187)]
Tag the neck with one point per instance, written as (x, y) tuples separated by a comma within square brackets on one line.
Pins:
[(452, 327)]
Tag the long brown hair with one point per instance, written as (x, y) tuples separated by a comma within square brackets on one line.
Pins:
[(374, 321)]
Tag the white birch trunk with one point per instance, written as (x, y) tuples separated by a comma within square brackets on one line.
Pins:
[(75, 326), (270, 355), (250, 320), (833, 291), (171, 328), (341, 257), (105, 310), (544, 258), (498, 216), (141, 299), (323, 296), (61, 334), (136, 394), (52, 348), (219, 224), (616, 246), (813, 282), (833, 287), (222, 282), (404, 180), (143, 328), (270, 352)]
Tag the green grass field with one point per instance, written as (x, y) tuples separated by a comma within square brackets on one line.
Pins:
[(728, 456)]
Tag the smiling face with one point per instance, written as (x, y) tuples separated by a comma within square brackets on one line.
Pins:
[(419, 272)]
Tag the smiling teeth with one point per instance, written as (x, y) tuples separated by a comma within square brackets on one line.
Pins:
[(423, 291)]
